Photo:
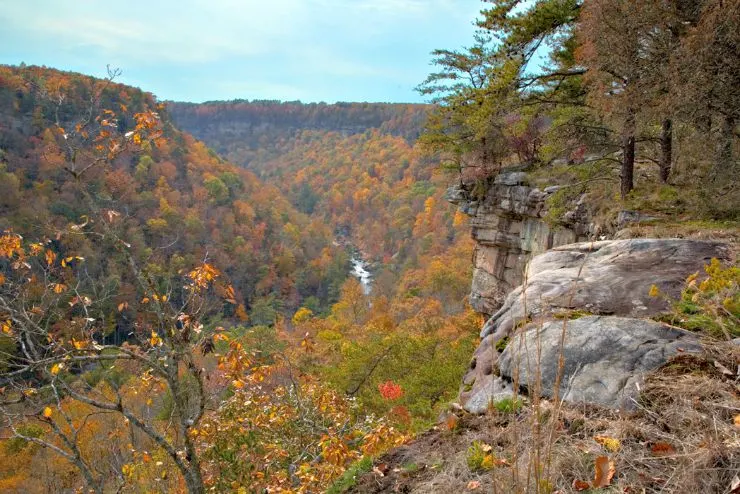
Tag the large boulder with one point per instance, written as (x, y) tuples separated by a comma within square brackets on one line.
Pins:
[(605, 278), (609, 277), (605, 357)]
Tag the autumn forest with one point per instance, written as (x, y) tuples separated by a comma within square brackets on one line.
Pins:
[(180, 301)]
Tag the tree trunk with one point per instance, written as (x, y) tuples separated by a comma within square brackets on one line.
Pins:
[(666, 149), (628, 155), (194, 481)]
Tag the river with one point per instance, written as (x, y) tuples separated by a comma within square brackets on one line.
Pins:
[(360, 271)]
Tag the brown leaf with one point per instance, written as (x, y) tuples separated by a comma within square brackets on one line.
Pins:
[(451, 422), (581, 485), (662, 449), (604, 472), (381, 469), (473, 485)]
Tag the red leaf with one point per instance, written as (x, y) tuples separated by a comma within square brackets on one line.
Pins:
[(581, 485), (662, 449)]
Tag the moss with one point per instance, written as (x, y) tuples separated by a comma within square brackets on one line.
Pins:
[(16, 444), (572, 314), (557, 205), (522, 322), (501, 344)]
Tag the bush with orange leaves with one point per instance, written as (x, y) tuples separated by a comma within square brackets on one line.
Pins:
[(286, 434)]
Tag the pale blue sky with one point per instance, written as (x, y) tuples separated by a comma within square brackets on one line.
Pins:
[(197, 50)]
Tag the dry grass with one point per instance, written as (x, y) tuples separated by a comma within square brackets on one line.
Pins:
[(681, 439)]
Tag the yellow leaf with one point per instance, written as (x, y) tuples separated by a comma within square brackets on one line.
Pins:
[(79, 345), (47, 412), (610, 443), (489, 461), (736, 421), (155, 340), (56, 368), (36, 249), (237, 383), (654, 291)]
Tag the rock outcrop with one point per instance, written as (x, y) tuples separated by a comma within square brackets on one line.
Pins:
[(508, 227), (609, 277), (605, 356)]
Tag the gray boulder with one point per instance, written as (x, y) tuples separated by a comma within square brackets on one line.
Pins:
[(610, 277), (606, 357), (607, 278)]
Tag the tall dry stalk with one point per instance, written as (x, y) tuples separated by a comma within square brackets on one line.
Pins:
[(541, 439)]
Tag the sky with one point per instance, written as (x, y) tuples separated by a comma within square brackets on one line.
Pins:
[(200, 50)]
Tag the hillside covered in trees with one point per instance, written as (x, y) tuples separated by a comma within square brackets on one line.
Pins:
[(178, 310), (244, 131), (132, 241)]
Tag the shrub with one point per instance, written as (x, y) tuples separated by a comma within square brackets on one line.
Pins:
[(508, 405), (711, 306)]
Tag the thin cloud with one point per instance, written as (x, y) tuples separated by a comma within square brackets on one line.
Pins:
[(208, 49)]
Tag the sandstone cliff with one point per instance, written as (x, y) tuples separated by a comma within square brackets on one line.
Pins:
[(536, 283), (508, 227)]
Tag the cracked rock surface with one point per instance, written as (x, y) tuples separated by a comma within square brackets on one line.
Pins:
[(608, 351)]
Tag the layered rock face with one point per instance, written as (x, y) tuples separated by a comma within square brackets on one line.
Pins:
[(607, 354), (508, 227)]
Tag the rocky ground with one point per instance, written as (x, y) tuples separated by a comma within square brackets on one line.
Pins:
[(680, 438)]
